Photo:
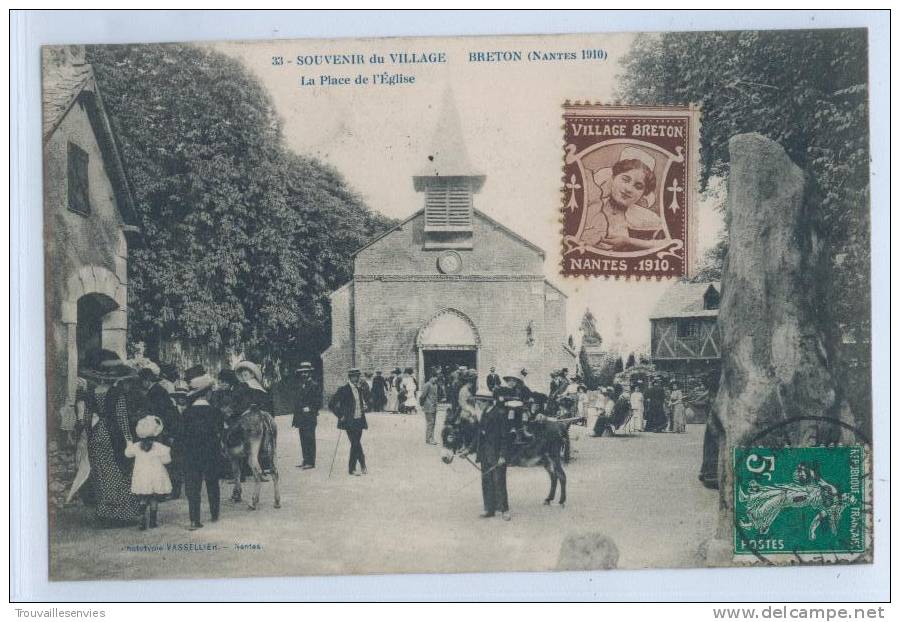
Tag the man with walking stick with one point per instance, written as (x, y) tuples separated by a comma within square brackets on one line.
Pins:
[(349, 405)]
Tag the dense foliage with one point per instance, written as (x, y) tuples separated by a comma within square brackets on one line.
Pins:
[(242, 239), (808, 91)]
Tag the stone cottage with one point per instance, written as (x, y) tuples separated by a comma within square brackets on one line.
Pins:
[(449, 285), (88, 219)]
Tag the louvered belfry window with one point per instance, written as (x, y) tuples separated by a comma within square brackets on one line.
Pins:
[(448, 205)]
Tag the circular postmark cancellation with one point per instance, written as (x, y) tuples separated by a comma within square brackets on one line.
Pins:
[(629, 176), (802, 505)]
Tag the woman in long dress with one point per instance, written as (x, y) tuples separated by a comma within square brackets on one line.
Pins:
[(107, 430), (676, 403), (379, 392), (410, 390), (393, 392), (637, 408)]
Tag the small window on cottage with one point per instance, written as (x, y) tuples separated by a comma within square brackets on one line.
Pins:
[(688, 329), (79, 200), (711, 299)]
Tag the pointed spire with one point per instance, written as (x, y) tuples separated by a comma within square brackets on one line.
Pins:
[(448, 156)]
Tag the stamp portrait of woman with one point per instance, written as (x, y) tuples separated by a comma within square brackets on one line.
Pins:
[(620, 218)]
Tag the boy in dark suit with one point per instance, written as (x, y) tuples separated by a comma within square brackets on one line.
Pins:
[(201, 439)]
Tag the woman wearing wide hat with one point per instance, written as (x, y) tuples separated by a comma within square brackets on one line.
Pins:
[(251, 390), (108, 431)]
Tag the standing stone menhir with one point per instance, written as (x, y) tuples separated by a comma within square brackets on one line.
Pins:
[(777, 387)]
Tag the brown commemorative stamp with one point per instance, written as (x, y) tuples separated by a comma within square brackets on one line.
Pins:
[(628, 193)]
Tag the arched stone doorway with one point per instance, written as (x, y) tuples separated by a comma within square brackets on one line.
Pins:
[(94, 315), (92, 310), (448, 339)]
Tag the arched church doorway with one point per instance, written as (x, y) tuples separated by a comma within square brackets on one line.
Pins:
[(447, 340)]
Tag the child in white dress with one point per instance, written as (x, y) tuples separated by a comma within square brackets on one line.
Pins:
[(149, 479)]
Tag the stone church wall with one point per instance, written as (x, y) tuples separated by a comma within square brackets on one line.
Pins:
[(398, 288), (338, 358)]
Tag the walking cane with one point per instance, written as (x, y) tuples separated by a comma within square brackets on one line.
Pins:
[(335, 452)]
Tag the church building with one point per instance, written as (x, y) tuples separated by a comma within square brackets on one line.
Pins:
[(449, 285)]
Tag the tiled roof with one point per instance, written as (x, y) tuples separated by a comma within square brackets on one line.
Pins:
[(62, 83), (684, 300), (65, 76)]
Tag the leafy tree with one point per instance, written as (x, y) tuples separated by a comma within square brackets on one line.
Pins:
[(242, 239), (806, 90), (587, 371), (619, 366), (710, 269), (630, 362)]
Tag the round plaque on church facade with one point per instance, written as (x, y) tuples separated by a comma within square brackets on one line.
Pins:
[(449, 262)]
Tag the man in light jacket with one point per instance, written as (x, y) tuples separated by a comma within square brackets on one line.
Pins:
[(428, 398)]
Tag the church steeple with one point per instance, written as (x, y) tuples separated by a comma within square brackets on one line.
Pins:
[(449, 180)]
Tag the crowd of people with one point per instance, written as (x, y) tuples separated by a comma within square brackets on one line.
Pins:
[(148, 433), (394, 392), (654, 406)]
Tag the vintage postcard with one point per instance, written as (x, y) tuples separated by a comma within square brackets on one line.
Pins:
[(468, 304)]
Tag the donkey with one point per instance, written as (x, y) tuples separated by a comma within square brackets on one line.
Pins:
[(252, 439), (545, 448)]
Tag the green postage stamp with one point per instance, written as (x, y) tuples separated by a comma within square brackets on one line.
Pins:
[(801, 502)]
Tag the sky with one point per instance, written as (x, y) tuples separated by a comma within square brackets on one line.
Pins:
[(379, 136)]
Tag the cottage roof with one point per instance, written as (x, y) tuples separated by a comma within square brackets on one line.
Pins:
[(448, 155), (685, 300), (68, 78)]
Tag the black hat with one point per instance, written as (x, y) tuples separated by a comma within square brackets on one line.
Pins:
[(396, 370), (408, 370), (104, 365)]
